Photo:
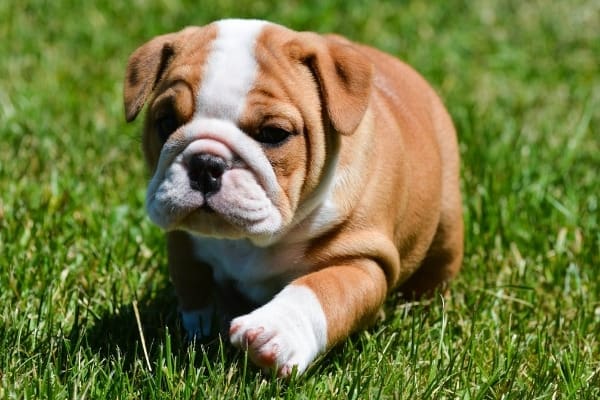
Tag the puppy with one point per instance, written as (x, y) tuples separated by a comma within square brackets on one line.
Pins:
[(299, 178)]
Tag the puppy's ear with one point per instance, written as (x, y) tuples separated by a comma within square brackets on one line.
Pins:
[(343, 73), (145, 69)]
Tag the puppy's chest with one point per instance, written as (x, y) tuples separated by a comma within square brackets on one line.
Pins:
[(256, 272)]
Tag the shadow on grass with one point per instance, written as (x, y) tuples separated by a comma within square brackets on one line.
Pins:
[(115, 334)]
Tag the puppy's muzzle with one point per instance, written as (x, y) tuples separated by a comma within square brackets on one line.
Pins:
[(205, 172)]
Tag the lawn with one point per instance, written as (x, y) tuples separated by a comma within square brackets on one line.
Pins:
[(78, 255)]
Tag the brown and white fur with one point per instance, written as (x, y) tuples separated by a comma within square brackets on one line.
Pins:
[(304, 237)]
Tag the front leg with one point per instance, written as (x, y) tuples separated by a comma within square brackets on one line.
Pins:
[(310, 315), (194, 285)]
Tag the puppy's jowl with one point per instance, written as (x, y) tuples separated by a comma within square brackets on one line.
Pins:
[(300, 178)]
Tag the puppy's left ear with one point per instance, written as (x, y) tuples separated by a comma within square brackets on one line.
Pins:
[(343, 73), (144, 70)]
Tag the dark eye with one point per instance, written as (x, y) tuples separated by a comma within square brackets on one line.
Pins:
[(165, 126), (272, 135)]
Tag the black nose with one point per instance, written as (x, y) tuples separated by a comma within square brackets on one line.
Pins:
[(205, 171)]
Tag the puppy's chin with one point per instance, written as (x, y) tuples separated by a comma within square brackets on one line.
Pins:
[(208, 223)]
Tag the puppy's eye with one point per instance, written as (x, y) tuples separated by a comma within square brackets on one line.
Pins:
[(165, 126), (272, 135)]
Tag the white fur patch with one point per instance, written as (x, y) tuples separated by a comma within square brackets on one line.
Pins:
[(258, 273), (288, 331), (230, 70)]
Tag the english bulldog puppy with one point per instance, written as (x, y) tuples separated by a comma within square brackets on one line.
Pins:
[(300, 178)]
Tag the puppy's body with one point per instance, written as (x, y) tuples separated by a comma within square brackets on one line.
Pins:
[(301, 174)]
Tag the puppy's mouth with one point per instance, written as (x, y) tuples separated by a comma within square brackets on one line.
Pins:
[(206, 208)]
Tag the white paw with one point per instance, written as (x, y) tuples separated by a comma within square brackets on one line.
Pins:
[(290, 330), (198, 323)]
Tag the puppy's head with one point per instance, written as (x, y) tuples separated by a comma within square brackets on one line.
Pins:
[(243, 124)]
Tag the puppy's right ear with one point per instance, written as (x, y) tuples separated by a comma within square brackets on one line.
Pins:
[(145, 69)]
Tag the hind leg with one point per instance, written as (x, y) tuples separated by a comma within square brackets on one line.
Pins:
[(443, 259)]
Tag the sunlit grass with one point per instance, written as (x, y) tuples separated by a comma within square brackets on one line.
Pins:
[(522, 82)]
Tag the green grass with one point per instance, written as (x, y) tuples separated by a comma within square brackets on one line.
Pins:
[(522, 81)]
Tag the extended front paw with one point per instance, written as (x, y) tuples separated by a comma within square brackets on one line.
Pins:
[(288, 331), (269, 345)]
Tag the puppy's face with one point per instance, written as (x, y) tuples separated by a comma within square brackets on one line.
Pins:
[(239, 134)]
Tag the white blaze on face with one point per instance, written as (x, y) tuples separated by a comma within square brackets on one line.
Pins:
[(230, 70), (250, 196)]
